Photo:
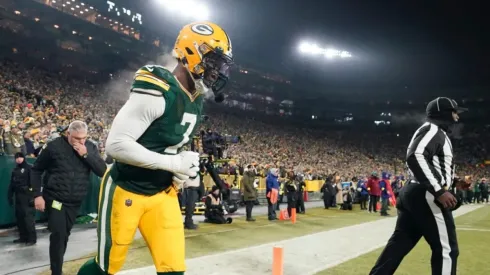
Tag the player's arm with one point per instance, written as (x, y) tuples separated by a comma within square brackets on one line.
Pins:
[(130, 123)]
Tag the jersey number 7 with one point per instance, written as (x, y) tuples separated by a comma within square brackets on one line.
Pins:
[(190, 121)]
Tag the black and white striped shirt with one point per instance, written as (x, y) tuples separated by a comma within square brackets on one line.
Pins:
[(430, 158)]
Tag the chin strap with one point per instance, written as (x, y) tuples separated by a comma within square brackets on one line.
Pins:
[(200, 87)]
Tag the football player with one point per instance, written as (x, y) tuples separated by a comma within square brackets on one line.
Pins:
[(160, 116)]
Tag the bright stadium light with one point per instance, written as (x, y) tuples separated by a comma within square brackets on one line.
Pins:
[(187, 8), (345, 54), (330, 53)]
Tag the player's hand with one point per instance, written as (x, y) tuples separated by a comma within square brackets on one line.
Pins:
[(447, 200), (189, 164), (39, 204), (179, 180)]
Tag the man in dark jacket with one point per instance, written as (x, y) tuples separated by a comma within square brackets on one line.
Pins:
[(249, 193), (484, 190), (364, 194), (291, 187), (374, 192), (24, 208), (300, 203), (384, 184), (477, 192), (328, 192), (67, 162)]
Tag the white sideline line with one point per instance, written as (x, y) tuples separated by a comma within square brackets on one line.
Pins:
[(305, 255), (472, 229)]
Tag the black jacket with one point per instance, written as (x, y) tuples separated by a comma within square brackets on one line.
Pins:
[(19, 182), (66, 173), (327, 187)]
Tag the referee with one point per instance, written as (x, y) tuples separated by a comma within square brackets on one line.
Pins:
[(66, 163), (424, 204)]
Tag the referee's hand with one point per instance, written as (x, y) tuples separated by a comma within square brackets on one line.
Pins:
[(447, 200)]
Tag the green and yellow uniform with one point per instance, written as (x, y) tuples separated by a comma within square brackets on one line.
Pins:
[(166, 135), (133, 197)]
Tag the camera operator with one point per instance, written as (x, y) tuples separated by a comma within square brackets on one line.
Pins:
[(213, 144), (214, 208)]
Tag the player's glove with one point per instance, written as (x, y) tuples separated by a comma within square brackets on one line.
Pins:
[(189, 164), (179, 180)]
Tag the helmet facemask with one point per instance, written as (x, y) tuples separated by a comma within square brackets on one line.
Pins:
[(215, 67)]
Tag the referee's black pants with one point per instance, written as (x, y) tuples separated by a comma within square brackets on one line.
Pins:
[(60, 223), (419, 216)]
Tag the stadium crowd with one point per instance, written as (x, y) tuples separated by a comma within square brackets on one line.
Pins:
[(35, 105)]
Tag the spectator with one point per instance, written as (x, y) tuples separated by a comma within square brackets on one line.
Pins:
[(291, 191), (249, 193), (300, 203), (339, 196), (41, 103), (484, 190), (272, 191), (328, 192), (364, 194), (374, 192), (384, 185)]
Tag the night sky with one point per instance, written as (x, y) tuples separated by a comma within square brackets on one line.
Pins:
[(396, 44)]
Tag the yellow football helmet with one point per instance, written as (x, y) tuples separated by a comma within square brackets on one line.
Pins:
[(204, 49)]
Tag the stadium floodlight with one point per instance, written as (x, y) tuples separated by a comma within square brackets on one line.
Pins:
[(187, 8), (314, 49), (345, 54)]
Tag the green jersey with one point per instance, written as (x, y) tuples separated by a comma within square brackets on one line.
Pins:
[(166, 135)]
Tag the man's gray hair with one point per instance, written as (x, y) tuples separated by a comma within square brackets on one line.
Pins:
[(77, 126)]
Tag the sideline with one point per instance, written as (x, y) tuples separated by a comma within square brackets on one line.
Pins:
[(472, 229), (304, 255)]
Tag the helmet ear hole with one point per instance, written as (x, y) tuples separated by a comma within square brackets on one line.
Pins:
[(189, 51)]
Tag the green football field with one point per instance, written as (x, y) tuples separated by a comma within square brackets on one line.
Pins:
[(240, 234), (473, 233), (474, 257)]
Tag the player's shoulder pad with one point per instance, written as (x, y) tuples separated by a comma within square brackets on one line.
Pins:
[(152, 79)]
